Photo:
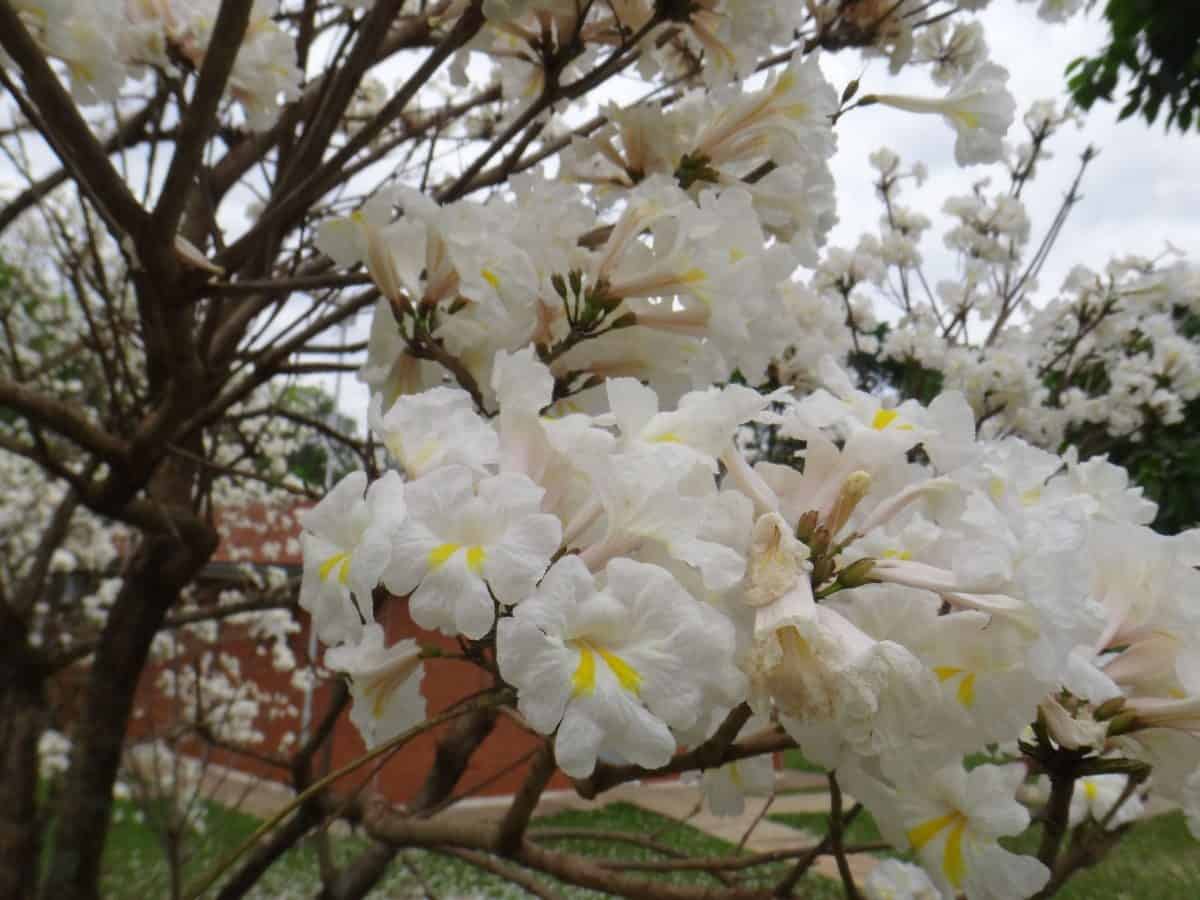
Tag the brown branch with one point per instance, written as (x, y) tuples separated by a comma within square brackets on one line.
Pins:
[(66, 130), (516, 819), (507, 871), (293, 205), (716, 751), (836, 831), (339, 90), (265, 855), (55, 532), (384, 823), (129, 133), (227, 34), (63, 419), (276, 286), (789, 882)]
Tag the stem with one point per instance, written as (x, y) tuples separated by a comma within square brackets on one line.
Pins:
[(399, 740), (836, 831), (1058, 811)]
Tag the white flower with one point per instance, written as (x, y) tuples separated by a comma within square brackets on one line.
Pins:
[(980, 109), (726, 788), (702, 426), (1096, 795), (347, 545), (952, 819), (385, 683), (821, 670), (896, 880), (465, 542), (615, 666), (849, 410), (651, 501), (1191, 803), (434, 428)]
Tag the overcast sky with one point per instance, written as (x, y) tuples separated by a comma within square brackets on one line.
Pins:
[(1143, 189)]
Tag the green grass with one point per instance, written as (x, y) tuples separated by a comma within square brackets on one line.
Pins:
[(1157, 860), (861, 831), (135, 868), (794, 759)]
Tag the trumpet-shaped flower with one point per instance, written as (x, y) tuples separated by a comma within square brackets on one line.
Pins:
[(702, 426), (347, 546), (615, 664), (952, 820), (726, 788), (434, 428), (896, 880), (826, 675), (385, 683), (652, 501), (465, 542), (1096, 796), (980, 109)]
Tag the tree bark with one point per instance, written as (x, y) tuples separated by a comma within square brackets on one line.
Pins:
[(22, 707), (161, 567)]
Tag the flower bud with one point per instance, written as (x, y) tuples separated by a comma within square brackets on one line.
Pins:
[(822, 570), (807, 525), (857, 574), (819, 542), (1123, 724), (854, 488), (1109, 708)]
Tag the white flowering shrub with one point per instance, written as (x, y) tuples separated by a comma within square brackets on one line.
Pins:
[(659, 461)]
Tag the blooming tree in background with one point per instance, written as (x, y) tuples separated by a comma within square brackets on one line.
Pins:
[(662, 461)]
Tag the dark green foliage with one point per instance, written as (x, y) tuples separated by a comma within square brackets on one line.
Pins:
[(1156, 43), (1164, 460), (309, 460)]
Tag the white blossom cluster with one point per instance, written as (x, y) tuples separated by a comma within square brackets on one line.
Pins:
[(559, 377), (103, 43), (895, 616), (908, 593), (1113, 351)]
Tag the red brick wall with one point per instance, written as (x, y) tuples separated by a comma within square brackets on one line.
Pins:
[(401, 775)]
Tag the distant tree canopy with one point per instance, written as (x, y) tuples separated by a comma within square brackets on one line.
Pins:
[(1156, 43)]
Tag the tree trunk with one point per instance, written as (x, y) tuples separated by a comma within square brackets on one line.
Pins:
[(22, 708), (161, 567)]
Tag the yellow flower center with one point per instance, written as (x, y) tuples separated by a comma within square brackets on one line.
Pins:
[(583, 681), (339, 561), (441, 553), (883, 418), (953, 863), (966, 687)]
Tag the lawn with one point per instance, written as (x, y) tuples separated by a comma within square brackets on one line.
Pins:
[(135, 868), (1158, 860)]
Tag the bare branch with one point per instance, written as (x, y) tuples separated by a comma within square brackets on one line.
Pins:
[(66, 129), (228, 32)]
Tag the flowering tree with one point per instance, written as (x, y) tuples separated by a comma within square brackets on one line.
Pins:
[(581, 299)]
